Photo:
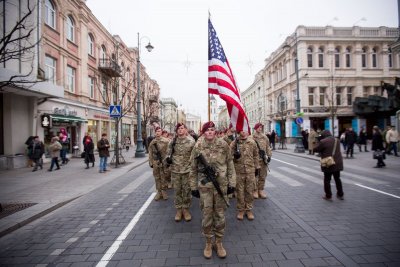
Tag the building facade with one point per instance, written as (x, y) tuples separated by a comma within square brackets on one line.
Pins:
[(169, 113), (193, 122)]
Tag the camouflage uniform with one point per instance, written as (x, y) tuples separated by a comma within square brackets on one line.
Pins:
[(180, 169), (245, 167), (229, 138), (158, 167), (213, 207), (263, 142)]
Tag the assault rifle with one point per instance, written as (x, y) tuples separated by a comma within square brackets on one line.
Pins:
[(158, 154), (262, 154), (236, 154), (169, 158), (211, 176)]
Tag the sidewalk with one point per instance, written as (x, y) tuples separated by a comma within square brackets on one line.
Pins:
[(52, 190)]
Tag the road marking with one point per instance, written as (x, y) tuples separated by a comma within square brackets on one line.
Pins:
[(302, 175), (117, 243), (84, 230), (379, 191), (135, 184), (57, 252), (94, 222), (72, 239), (286, 179), (285, 162)]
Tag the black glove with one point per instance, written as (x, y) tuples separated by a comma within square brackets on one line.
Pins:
[(257, 173), (168, 160), (231, 190), (236, 155), (151, 166), (196, 193), (268, 159)]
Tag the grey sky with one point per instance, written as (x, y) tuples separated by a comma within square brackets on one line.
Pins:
[(248, 30)]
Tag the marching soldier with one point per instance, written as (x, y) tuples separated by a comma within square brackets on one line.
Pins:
[(265, 154), (157, 153), (245, 153), (179, 151), (229, 135), (212, 176)]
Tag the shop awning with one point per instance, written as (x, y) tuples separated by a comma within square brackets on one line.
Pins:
[(67, 118)]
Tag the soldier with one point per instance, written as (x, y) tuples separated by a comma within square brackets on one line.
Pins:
[(229, 135), (212, 154), (265, 154), (245, 153), (179, 151), (157, 153)]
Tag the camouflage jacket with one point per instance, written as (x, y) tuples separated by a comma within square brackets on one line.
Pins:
[(263, 142), (228, 139), (181, 156), (217, 155), (249, 158), (162, 146)]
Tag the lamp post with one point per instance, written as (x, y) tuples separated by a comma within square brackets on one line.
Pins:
[(140, 152), (299, 144)]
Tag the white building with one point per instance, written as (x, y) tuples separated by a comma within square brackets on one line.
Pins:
[(213, 109), (193, 122), (169, 114)]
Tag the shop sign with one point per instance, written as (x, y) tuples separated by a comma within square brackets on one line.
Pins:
[(45, 121), (65, 111)]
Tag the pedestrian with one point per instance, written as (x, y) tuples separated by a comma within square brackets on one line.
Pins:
[(362, 139), (304, 139), (179, 151), (157, 154), (36, 148), (377, 147), (54, 149), (330, 146), (386, 144), (350, 139), (213, 153), (28, 152), (127, 143), (312, 141), (247, 167), (103, 146), (392, 137), (63, 139), (265, 154), (343, 140), (88, 148), (273, 139)]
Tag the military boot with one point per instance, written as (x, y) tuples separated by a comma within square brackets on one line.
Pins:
[(178, 215), (221, 252), (255, 194), (250, 215), (186, 215), (164, 194), (208, 249), (262, 194), (240, 215), (158, 196)]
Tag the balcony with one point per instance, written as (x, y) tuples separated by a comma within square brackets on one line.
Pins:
[(153, 99), (110, 68)]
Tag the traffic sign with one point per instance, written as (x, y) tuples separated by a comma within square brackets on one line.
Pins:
[(115, 111), (299, 120)]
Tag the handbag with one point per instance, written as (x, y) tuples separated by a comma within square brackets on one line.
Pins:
[(379, 154), (329, 161), (83, 155)]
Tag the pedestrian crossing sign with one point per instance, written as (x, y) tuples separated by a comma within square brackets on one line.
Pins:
[(115, 111)]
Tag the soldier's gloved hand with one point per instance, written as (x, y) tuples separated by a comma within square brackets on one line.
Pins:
[(268, 159), (230, 190), (257, 173), (196, 193), (236, 155), (168, 160)]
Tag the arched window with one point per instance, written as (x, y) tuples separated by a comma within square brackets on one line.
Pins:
[(90, 44), (364, 57), (103, 54), (309, 57), (128, 75), (374, 58), (337, 57), (347, 56), (321, 57), (390, 58), (50, 14), (70, 29)]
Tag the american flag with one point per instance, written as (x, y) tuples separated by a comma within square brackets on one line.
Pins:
[(222, 82)]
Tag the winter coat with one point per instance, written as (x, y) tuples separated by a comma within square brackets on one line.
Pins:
[(54, 149), (392, 136), (377, 141), (351, 138), (325, 148), (103, 146), (362, 138), (312, 139), (36, 150)]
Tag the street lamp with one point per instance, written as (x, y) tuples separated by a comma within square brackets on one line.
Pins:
[(140, 152), (299, 145)]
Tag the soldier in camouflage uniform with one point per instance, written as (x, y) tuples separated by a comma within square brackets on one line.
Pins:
[(229, 135), (245, 153), (160, 144), (263, 144), (179, 151), (216, 153)]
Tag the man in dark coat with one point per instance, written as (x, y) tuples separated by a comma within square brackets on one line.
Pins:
[(325, 147), (103, 145), (377, 144), (36, 151), (350, 139)]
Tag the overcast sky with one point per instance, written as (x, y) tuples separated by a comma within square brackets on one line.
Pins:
[(249, 30)]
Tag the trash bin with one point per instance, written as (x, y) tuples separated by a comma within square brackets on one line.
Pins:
[(75, 152)]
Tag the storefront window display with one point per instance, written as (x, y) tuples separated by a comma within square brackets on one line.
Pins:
[(126, 130), (92, 130)]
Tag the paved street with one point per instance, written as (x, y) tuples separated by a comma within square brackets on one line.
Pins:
[(92, 219)]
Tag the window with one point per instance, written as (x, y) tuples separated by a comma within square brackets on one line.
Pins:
[(322, 96), (70, 29), (50, 69), (50, 14), (90, 45), (364, 58), (311, 96), (338, 96), (71, 79), (309, 57), (337, 57), (377, 90), (320, 57), (374, 59), (104, 91), (365, 91), (349, 96), (103, 54), (348, 57), (91, 87), (390, 58)]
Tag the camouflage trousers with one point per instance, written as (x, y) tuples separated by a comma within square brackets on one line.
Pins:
[(183, 197), (159, 176), (213, 211), (260, 179), (244, 191)]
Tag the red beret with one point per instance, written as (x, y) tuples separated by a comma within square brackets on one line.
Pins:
[(258, 125), (207, 125), (179, 124), (157, 128), (164, 131)]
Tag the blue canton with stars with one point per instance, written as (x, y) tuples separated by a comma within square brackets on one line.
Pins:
[(215, 49)]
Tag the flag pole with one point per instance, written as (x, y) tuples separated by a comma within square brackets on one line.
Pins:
[(209, 106)]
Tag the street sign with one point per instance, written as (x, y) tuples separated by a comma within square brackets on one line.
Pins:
[(115, 111), (299, 120)]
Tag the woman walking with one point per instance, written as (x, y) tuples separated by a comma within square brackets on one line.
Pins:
[(377, 147), (88, 147), (54, 149)]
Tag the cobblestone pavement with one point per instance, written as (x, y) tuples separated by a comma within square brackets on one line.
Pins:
[(118, 224)]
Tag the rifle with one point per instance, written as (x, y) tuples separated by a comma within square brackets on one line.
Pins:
[(210, 173), (236, 154), (158, 154), (169, 158), (262, 154)]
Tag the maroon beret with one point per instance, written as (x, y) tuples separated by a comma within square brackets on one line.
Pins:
[(179, 124), (157, 128), (258, 125), (207, 125)]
